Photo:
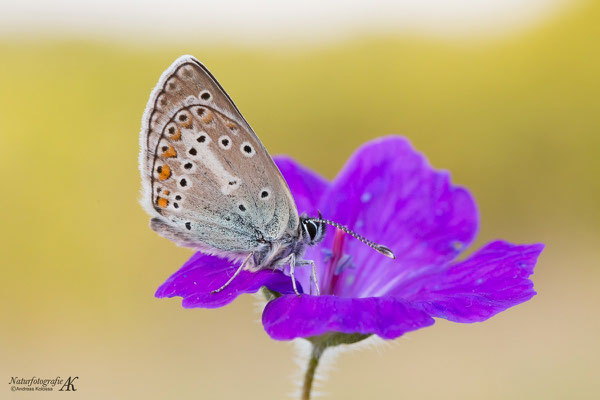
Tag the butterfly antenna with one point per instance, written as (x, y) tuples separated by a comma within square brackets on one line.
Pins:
[(378, 247)]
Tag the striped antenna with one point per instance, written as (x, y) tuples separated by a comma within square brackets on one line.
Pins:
[(378, 247)]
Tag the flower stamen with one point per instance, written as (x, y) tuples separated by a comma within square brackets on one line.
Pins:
[(336, 258)]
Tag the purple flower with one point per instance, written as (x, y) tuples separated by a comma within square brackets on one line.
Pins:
[(388, 193)]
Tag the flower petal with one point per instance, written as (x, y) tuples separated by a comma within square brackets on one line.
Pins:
[(307, 187), (290, 316), (389, 193), (203, 273), (490, 281)]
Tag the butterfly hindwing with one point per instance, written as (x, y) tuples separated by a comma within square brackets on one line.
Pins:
[(207, 179)]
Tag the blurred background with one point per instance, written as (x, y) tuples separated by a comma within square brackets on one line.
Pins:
[(504, 94)]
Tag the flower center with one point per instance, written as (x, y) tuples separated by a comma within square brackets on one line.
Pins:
[(337, 261)]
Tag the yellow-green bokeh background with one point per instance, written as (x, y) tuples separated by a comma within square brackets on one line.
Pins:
[(516, 119)]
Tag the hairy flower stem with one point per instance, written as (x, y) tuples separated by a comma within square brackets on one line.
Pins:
[(309, 375)]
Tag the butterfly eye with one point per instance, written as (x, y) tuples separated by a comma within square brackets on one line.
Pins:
[(311, 228)]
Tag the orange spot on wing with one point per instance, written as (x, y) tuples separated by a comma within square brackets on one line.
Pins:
[(169, 153), (166, 192), (165, 173), (177, 135), (187, 124), (208, 117), (231, 125), (162, 202)]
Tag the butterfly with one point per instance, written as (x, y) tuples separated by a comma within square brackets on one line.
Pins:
[(209, 183)]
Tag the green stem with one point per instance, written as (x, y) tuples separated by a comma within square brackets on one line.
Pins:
[(309, 376)]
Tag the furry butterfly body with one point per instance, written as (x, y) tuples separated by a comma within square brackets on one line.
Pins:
[(209, 183)]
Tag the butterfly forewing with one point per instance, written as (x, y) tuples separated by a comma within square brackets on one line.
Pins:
[(207, 178)]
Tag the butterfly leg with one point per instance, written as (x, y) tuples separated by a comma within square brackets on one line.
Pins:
[(292, 265), (313, 274), (234, 275)]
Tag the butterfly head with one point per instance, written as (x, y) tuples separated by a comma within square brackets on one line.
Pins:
[(313, 231)]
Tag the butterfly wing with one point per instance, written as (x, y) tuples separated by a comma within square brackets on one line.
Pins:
[(208, 181)]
